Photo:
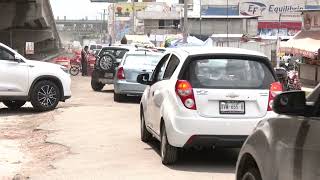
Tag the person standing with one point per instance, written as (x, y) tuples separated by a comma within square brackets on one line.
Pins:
[(84, 61)]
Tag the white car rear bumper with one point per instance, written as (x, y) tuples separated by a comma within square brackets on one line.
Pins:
[(183, 129)]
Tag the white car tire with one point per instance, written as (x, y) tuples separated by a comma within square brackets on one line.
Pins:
[(146, 136), (169, 154), (251, 174), (45, 96)]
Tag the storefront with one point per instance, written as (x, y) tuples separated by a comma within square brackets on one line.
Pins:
[(276, 16), (306, 45)]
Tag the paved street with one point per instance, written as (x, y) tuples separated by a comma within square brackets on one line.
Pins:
[(92, 137)]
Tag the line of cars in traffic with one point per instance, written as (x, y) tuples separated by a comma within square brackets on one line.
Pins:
[(218, 97)]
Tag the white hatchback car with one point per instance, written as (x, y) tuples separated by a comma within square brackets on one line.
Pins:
[(210, 97)]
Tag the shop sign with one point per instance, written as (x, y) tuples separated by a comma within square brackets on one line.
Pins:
[(29, 47), (311, 21)]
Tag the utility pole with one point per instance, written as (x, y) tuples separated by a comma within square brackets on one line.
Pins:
[(185, 24), (104, 26), (200, 19), (133, 16), (228, 23), (278, 41)]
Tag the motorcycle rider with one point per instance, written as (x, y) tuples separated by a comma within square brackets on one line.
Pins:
[(84, 60)]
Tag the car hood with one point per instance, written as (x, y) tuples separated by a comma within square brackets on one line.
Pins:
[(41, 63)]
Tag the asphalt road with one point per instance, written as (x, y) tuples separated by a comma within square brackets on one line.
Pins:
[(102, 140)]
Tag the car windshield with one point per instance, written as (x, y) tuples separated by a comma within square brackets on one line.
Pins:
[(229, 73), (92, 47), (142, 60)]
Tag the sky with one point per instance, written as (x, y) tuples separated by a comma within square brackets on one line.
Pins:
[(77, 9)]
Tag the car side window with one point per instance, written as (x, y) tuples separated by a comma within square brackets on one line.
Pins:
[(5, 54), (160, 69), (171, 67)]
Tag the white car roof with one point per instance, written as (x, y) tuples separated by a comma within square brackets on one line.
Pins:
[(143, 52), (189, 51)]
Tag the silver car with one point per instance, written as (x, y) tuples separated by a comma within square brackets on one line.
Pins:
[(286, 147), (133, 64)]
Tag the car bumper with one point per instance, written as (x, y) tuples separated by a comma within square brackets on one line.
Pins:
[(100, 76), (65, 98), (66, 83), (129, 88), (194, 130), (215, 141)]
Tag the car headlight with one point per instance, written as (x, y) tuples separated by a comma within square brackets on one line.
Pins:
[(64, 69)]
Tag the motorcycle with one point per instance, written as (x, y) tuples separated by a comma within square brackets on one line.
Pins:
[(292, 81)]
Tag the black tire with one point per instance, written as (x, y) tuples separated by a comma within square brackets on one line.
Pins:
[(14, 105), (96, 86), (169, 154), (146, 136), (119, 97), (251, 174), (45, 96), (74, 70), (107, 63)]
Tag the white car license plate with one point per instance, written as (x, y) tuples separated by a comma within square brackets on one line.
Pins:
[(108, 75), (232, 107)]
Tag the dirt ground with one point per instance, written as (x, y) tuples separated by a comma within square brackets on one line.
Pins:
[(92, 137)]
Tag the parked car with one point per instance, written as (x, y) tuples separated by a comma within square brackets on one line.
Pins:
[(206, 97), (133, 64), (286, 147), (108, 59), (22, 80)]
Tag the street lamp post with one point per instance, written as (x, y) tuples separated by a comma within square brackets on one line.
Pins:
[(185, 24)]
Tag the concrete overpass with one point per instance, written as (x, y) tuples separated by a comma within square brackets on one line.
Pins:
[(28, 21), (79, 30)]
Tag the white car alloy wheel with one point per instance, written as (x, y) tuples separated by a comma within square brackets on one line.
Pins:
[(47, 96), (106, 62)]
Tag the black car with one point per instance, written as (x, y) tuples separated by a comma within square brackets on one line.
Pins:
[(107, 60), (286, 147)]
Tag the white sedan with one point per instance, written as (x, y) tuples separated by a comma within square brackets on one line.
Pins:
[(208, 97)]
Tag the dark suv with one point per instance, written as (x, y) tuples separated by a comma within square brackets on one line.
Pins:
[(107, 60)]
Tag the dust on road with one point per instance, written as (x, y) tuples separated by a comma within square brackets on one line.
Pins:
[(92, 137)]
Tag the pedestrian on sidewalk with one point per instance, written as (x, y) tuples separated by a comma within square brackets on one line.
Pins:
[(84, 61)]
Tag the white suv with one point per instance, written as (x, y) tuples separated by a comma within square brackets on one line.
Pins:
[(22, 80), (210, 97)]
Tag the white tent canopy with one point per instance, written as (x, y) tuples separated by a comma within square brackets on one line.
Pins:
[(304, 41)]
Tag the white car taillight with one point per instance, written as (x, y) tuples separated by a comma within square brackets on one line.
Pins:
[(275, 89), (185, 92)]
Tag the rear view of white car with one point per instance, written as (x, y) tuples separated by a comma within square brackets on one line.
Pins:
[(210, 97)]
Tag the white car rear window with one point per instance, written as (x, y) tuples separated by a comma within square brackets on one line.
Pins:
[(142, 60), (229, 73)]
